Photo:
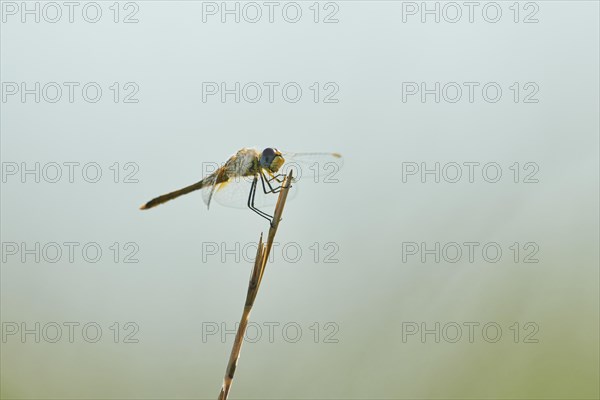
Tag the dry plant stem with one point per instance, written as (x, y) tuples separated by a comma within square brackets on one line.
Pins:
[(262, 255)]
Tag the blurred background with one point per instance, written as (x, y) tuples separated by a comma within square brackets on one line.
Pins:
[(397, 279)]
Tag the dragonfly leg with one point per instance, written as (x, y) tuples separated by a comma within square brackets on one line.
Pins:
[(279, 178), (264, 179), (251, 206)]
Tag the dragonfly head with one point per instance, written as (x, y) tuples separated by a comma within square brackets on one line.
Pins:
[(271, 159)]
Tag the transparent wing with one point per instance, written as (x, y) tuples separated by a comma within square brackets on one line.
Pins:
[(236, 191), (318, 167)]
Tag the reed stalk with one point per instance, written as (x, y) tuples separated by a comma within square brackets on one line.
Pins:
[(260, 263)]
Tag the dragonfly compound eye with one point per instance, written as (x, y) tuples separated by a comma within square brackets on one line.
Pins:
[(267, 157)]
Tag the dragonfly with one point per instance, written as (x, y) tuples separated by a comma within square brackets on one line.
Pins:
[(236, 182)]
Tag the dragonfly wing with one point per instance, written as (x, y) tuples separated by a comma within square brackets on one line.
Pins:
[(236, 191), (209, 189), (319, 167)]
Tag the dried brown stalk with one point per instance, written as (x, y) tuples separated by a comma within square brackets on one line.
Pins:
[(262, 255)]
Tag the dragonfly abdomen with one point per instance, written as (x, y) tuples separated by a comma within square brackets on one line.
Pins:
[(172, 195)]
